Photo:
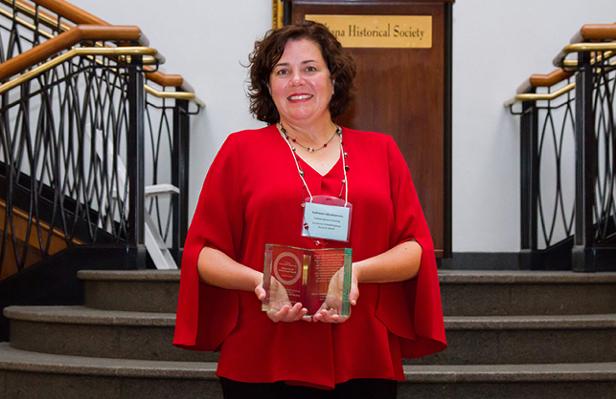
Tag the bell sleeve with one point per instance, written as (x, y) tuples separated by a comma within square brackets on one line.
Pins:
[(207, 314), (411, 309)]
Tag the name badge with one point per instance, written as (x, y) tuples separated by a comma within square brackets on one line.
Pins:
[(327, 218)]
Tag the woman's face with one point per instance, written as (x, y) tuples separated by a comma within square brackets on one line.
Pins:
[(300, 84)]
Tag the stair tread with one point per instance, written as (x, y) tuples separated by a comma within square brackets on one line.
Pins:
[(129, 275), (445, 276), (523, 276), (512, 372), (16, 359), (86, 315), (583, 321)]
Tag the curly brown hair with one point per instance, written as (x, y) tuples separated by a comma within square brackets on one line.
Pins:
[(268, 51)]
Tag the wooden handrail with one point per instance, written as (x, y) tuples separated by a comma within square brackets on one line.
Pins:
[(543, 80), (65, 41), (595, 32), (44, 17), (78, 16), (590, 37), (166, 80), (549, 79), (71, 12), (79, 51)]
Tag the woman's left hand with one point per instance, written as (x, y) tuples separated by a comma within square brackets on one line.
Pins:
[(281, 308), (332, 306)]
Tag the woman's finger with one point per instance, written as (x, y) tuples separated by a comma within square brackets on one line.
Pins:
[(288, 313), (260, 292), (327, 316), (280, 314), (296, 312), (354, 294)]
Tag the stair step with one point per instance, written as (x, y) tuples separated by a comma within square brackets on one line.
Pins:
[(490, 293), (31, 375), (78, 330), (27, 374), (528, 339), (82, 331), (465, 293), (138, 290), (531, 322), (17, 359)]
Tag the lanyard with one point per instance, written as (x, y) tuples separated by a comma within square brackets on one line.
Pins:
[(345, 182)]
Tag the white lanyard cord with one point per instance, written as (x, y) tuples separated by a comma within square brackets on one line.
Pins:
[(299, 170), (344, 170)]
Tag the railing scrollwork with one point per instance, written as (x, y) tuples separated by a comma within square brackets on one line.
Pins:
[(89, 129), (568, 157)]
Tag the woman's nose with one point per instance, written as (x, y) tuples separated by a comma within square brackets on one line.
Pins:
[(297, 79)]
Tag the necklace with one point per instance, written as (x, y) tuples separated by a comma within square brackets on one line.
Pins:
[(305, 147), (343, 154)]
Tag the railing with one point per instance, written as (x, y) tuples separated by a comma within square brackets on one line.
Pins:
[(568, 158), (84, 133)]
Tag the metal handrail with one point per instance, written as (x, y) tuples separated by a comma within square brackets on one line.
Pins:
[(549, 96), (105, 51), (177, 95), (569, 220), (90, 19), (540, 96)]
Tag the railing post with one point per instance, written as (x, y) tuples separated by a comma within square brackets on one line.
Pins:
[(179, 175), (529, 183), (136, 166), (583, 257)]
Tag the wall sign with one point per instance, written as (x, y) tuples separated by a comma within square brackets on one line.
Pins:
[(379, 31)]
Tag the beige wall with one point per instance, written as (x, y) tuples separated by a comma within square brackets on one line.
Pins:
[(497, 44)]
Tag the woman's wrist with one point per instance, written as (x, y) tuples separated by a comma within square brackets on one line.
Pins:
[(257, 279), (356, 269)]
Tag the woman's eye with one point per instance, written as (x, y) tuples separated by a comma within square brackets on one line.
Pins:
[(311, 68), (281, 72)]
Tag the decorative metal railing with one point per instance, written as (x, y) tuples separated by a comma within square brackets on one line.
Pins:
[(604, 109), (568, 160), (167, 128), (23, 27), (595, 234), (74, 136), (67, 137), (547, 165)]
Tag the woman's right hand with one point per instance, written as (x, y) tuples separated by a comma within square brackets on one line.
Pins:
[(279, 303)]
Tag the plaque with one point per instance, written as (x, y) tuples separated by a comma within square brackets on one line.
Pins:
[(317, 278), (378, 31)]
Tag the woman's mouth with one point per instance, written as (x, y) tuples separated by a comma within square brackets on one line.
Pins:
[(299, 97)]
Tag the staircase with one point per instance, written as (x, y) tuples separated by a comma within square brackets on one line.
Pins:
[(511, 335), (94, 152)]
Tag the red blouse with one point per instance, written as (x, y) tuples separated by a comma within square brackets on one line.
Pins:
[(252, 195)]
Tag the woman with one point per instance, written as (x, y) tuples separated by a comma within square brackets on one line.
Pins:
[(255, 193)]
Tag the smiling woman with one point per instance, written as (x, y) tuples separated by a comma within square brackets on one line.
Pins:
[(258, 191), (268, 52), (301, 86)]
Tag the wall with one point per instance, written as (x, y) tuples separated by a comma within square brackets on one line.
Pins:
[(497, 44)]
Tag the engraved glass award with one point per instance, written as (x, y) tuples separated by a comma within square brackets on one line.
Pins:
[(317, 278)]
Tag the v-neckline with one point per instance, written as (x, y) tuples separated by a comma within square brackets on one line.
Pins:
[(329, 171)]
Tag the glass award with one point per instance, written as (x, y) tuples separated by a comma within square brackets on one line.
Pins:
[(317, 278)]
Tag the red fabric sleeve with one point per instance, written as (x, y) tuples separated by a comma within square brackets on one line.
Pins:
[(206, 314), (418, 318)]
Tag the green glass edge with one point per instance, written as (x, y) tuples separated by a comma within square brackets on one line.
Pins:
[(346, 287), (267, 260)]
